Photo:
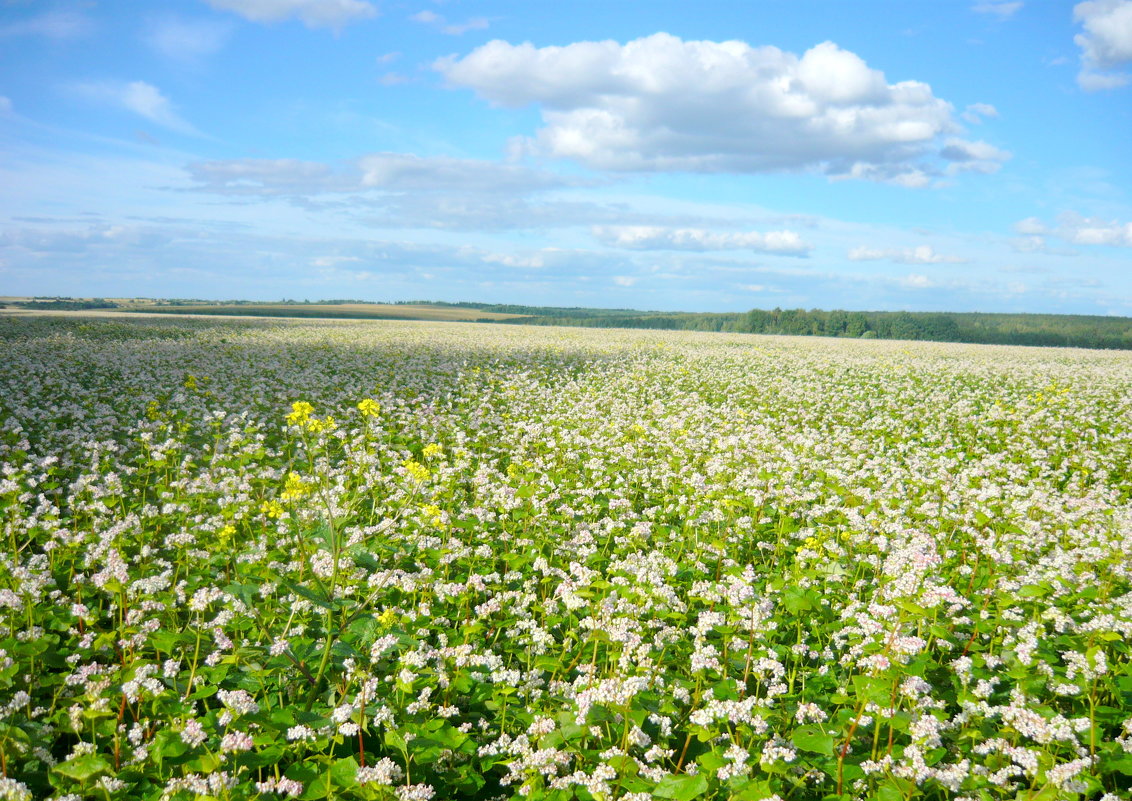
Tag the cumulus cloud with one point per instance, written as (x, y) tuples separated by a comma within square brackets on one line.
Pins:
[(58, 24), (922, 254), (998, 8), (648, 237), (662, 103), (141, 98), (186, 40), (1106, 43), (312, 13)]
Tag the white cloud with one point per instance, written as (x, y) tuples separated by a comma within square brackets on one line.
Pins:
[(998, 8), (968, 156), (388, 172), (331, 261), (405, 172), (473, 24), (1106, 43), (5, 105), (624, 280), (186, 40), (1092, 81), (917, 281), (313, 13), (452, 29), (977, 112), (649, 237), (534, 261), (922, 254), (1094, 231), (1031, 226), (140, 98), (59, 25), (662, 103), (1072, 227)]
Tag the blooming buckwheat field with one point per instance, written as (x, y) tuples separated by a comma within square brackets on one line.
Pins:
[(413, 561)]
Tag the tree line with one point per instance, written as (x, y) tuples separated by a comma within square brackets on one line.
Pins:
[(1062, 330)]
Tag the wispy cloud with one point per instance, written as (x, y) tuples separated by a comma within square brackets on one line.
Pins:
[(998, 8), (58, 24), (647, 237), (186, 40), (1075, 228), (139, 97), (313, 13), (439, 22), (922, 254)]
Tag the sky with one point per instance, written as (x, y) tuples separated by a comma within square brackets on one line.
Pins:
[(708, 156)]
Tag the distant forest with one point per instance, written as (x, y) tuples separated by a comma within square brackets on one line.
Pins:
[(1059, 330)]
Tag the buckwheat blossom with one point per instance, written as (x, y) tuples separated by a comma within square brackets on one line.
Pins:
[(13, 790), (282, 786), (193, 733), (384, 772), (604, 560)]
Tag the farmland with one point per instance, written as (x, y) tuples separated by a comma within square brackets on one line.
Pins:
[(397, 560)]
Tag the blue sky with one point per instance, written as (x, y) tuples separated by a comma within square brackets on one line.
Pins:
[(964, 156)]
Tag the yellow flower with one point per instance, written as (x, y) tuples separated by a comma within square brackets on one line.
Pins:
[(432, 449), (387, 617), (416, 470), (432, 511), (314, 425), (272, 509), (226, 533), (190, 381), (294, 487), (300, 413), (369, 407)]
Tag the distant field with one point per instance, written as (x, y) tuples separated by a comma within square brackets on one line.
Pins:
[(350, 311)]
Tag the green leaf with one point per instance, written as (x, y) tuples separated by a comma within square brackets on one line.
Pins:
[(813, 738), (319, 788), (344, 772), (309, 594), (888, 793), (681, 788), (83, 767)]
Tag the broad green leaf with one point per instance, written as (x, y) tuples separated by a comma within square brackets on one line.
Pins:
[(813, 738), (681, 787)]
